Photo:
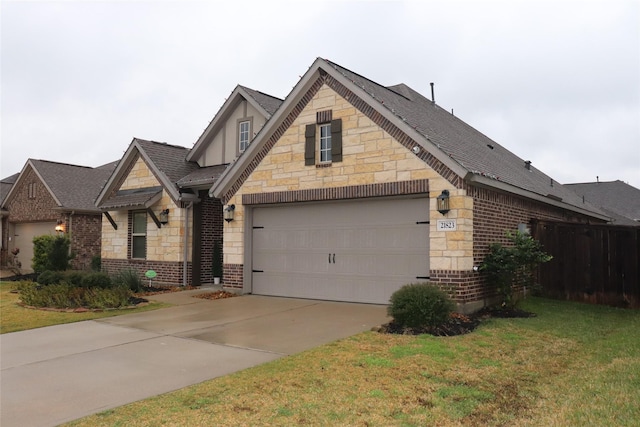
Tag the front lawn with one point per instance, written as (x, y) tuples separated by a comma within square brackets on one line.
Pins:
[(14, 318), (572, 365)]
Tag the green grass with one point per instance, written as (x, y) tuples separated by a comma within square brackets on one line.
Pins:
[(14, 317), (573, 365)]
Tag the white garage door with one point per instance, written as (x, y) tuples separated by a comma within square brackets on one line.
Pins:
[(359, 251), (23, 239)]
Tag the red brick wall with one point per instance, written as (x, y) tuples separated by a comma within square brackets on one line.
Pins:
[(169, 273), (494, 214), (211, 231), (24, 209), (233, 275), (85, 234)]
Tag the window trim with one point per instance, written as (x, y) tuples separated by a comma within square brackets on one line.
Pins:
[(134, 234), (239, 123), (326, 140)]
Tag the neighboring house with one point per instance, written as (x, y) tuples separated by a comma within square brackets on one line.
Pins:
[(159, 215), (617, 199), (337, 196), (49, 194), (5, 186)]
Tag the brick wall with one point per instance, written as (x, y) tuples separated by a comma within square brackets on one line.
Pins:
[(169, 273), (211, 231), (232, 276), (85, 235), (39, 207)]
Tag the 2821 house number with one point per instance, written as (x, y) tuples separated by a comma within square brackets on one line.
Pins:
[(446, 225)]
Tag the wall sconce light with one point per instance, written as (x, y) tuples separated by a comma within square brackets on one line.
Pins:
[(228, 213), (163, 216), (443, 202), (60, 227)]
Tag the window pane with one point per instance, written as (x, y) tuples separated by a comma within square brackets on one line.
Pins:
[(325, 143), (243, 135), (139, 249), (140, 222)]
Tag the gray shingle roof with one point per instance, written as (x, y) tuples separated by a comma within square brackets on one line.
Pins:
[(168, 159), (140, 197), (75, 187), (471, 149), (616, 197), (202, 177), (268, 102), (6, 184)]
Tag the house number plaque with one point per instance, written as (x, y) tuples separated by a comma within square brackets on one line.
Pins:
[(446, 225)]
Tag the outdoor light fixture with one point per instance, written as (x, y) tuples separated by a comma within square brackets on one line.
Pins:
[(443, 202), (163, 216), (60, 226), (228, 213)]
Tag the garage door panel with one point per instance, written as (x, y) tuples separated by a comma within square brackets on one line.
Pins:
[(359, 251), (23, 239)]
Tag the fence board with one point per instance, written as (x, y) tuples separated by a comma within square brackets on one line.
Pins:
[(594, 263)]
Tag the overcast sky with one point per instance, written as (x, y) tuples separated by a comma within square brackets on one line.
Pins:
[(556, 82)]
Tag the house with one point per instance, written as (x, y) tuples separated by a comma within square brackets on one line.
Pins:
[(617, 199), (158, 213), (353, 189), (48, 195), (5, 186)]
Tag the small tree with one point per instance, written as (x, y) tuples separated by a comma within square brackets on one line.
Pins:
[(508, 267), (51, 253)]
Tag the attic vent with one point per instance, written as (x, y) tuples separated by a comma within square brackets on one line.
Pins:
[(527, 164), (490, 146)]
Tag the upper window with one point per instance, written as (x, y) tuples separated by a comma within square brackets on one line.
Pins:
[(325, 143), (139, 235), (244, 130), (323, 140), (32, 190)]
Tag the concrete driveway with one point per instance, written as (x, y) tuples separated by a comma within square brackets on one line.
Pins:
[(60, 373)]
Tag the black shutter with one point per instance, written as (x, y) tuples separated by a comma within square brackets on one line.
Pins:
[(310, 145), (336, 140)]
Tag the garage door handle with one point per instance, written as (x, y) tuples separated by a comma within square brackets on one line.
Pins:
[(332, 259)]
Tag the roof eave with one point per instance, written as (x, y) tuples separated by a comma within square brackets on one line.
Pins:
[(482, 181)]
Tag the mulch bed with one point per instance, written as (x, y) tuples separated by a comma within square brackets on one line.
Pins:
[(216, 295), (458, 324)]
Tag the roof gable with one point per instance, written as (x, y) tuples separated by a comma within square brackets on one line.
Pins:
[(72, 187), (265, 104), (454, 149), (166, 162)]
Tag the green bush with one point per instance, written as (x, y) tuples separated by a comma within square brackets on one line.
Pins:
[(96, 263), (74, 277), (506, 267), (64, 295), (130, 279), (49, 277), (96, 280), (420, 305), (116, 297), (51, 253)]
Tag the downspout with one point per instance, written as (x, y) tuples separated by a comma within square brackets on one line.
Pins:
[(186, 244)]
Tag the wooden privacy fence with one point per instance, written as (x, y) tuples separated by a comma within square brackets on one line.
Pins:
[(591, 263)]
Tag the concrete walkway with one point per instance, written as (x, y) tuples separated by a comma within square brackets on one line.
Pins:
[(60, 373)]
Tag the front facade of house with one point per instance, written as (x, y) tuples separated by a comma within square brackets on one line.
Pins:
[(158, 213), (337, 197), (47, 195)]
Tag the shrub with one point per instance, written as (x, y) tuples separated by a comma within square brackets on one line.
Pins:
[(96, 280), (74, 277), (420, 305), (64, 295), (130, 279), (49, 277), (107, 298), (506, 267), (96, 263), (51, 253)]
